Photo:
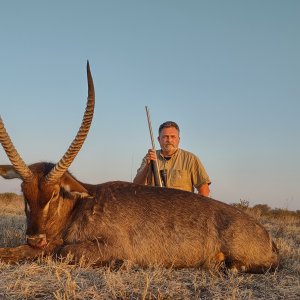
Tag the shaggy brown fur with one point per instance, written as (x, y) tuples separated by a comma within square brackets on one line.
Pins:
[(143, 224)]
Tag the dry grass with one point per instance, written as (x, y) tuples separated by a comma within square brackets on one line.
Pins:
[(48, 278)]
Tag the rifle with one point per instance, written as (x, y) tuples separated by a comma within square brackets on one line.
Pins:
[(154, 164)]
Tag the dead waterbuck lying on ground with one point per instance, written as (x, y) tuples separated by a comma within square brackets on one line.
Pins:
[(124, 221)]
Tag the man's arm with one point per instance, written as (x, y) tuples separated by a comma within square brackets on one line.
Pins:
[(204, 190), (142, 172), (141, 176)]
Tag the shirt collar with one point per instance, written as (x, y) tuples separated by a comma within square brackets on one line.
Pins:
[(173, 155)]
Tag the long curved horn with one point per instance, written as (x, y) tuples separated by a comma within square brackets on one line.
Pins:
[(61, 167), (13, 155)]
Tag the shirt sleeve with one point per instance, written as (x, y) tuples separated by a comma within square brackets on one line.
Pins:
[(143, 164), (199, 175)]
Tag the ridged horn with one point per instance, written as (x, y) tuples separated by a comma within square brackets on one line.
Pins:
[(61, 167), (13, 155)]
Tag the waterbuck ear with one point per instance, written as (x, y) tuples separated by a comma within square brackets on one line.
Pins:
[(73, 187), (9, 172)]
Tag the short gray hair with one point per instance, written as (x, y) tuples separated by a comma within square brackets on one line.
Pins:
[(168, 124)]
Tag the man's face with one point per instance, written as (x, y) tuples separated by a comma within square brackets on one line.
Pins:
[(169, 140)]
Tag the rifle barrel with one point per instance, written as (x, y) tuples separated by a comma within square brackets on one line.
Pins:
[(154, 164)]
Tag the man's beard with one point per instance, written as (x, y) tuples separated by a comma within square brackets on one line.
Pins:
[(170, 148)]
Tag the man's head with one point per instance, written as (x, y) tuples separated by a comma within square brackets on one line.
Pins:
[(168, 137)]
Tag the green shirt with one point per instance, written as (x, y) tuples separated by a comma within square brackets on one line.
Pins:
[(184, 170)]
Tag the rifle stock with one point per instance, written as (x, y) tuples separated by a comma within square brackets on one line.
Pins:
[(155, 171)]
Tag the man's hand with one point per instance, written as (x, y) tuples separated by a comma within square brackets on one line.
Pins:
[(151, 155), (141, 176), (204, 190)]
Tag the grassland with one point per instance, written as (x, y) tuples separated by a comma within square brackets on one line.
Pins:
[(49, 278)]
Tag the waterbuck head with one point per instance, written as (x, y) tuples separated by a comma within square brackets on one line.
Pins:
[(46, 185)]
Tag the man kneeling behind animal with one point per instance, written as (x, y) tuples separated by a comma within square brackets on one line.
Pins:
[(179, 169)]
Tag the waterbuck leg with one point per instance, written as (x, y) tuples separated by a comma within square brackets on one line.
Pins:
[(20, 253), (92, 252)]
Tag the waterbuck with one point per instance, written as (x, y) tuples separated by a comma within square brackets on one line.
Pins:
[(122, 221)]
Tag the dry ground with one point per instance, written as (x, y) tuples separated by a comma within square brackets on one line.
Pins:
[(48, 278)]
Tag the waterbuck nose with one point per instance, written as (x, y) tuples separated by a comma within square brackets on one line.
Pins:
[(37, 240)]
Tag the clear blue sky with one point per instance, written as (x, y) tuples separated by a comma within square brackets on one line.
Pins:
[(227, 71)]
